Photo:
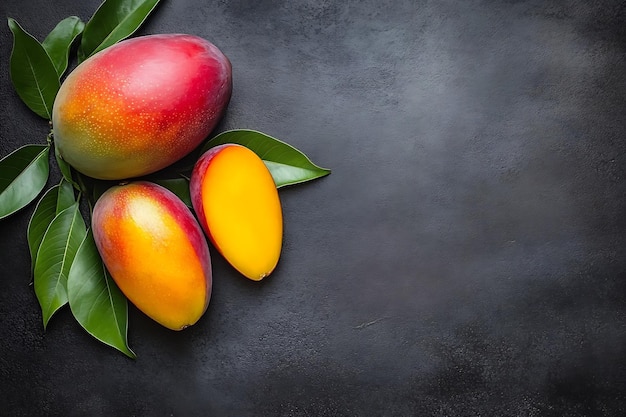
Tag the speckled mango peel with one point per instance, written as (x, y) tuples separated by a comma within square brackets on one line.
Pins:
[(140, 105)]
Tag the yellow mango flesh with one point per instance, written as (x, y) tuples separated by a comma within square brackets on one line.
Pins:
[(240, 209), (155, 251)]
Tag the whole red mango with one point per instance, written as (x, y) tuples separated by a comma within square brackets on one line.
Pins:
[(155, 250), (140, 105)]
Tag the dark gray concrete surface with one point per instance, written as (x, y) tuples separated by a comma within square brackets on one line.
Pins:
[(466, 257)]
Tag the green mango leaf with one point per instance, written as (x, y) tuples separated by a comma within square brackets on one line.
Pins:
[(65, 168), (54, 259), (66, 197), (114, 21), (179, 186), (33, 73), (59, 42), (54, 201), (23, 174), (40, 220), (95, 300), (287, 164)]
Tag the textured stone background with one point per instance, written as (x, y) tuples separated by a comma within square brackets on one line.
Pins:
[(466, 257)]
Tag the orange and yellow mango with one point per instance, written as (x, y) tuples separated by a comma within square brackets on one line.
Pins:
[(140, 105), (155, 251), (237, 203)]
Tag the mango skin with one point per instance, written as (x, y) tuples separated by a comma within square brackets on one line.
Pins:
[(140, 105), (155, 251), (237, 203)]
